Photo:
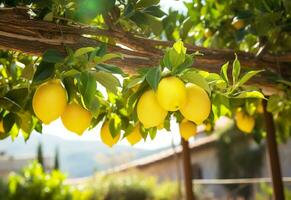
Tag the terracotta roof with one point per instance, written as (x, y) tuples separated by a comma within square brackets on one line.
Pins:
[(163, 154)]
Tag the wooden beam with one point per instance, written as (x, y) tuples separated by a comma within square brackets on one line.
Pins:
[(19, 32), (278, 187), (187, 170)]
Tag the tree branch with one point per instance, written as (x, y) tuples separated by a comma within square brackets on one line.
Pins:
[(19, 32)]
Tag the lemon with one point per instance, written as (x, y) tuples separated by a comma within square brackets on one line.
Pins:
[(238, 23), (106, 135), (49, 101), (244, 122), (197, 106), (171, 93), (76, 118), (149, 111), (187, 129), (135, 136), (1, 127)]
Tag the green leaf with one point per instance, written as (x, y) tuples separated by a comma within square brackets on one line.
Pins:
[(235, 70), (223, 72), (110, 69), (186, 26), (154, 11), (19, 96), (87, 86), (194, 77), (135, 81), (153, 77), (8, 122), (166, 61), (49, 17), (9, 104), (83, 50), (14, 132), (38, 126), (247, 77), (275, 104), (114, 125), (152, 132), (249, 94), (155, 24), (70, 73), (220, 106), (25, 123), (109, 81), (44, 71), (106, 57), (186, 64), (94, 106), (146, 3), (288, 83), (70, 87), (177, 54), (52, 56), (28, 72)]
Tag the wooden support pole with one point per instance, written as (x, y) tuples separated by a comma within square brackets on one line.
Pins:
[(273, 155), (187, 170)]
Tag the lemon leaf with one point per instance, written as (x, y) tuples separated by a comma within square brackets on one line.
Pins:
[(247, 77), (114, 125), (249, 94), (177, 54), (223, 72), (87, 86), (235, 70), (83, 50), (109, 81), (153, 77), (194, 77), (44, 71), (52, 56)]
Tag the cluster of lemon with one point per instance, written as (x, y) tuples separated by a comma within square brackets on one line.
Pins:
[(50, 102), (172, 95)]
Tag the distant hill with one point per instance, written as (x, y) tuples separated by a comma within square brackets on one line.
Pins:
[(77, 158)]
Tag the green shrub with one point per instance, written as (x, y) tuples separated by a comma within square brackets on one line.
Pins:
[(32, 183)]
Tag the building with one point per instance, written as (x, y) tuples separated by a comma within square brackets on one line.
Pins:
[(167, 165), (10, 164)]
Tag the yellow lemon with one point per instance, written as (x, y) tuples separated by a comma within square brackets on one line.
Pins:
[(197, 106), (76, 118), (49, 101), (135, 136), (244, 122), (149, 111), (238, 23), (106, 135), (187, 129), (171, 93), (1, 127)]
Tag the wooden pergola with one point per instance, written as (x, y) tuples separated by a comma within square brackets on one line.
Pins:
[(19, 32)]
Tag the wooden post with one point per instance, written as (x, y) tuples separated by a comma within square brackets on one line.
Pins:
[(187, 170), (273, 155)]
